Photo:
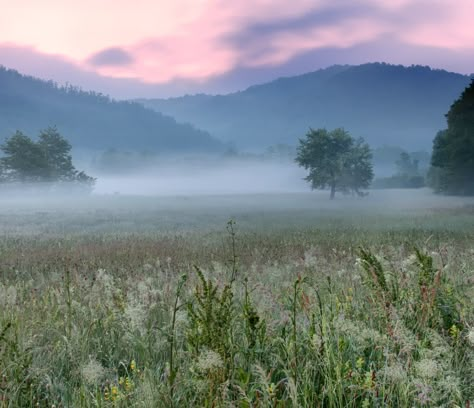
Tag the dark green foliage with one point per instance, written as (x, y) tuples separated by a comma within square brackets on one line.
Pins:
[(374, 270), (56, 150), (47, 160), (335, 160), (255, 328), (437, 293), (453, 149), (210, 316), (24, 159), (92, 120)]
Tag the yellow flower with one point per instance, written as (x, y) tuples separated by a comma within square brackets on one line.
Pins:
[(360, 363), (128, 384), (114, 392), (271, 389), (454, 332), (133, 365)]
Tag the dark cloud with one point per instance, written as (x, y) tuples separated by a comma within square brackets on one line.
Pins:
[(113, 56), (325, 16)]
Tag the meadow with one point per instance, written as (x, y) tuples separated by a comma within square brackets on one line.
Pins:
[(271, 300)]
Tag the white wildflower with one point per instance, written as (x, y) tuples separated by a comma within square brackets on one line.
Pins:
[(209, 360), (470, 336), (103, 288), (11, 295), (427, 368), (92, 372), (394, 374), (147, 267), (310, 259), (136, 315)]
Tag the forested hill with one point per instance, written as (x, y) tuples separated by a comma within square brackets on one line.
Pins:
[(90, 120), (386, 104)]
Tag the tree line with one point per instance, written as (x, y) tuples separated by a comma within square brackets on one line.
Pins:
[(333, 158)]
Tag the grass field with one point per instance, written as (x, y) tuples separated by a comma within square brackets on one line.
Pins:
[(117, 301)]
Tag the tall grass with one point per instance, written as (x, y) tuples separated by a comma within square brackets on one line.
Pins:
[(348, 315)]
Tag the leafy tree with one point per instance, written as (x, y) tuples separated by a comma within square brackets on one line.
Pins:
[(47, 160), (24, 159), (453, 149), (335, 160), (56, 150)]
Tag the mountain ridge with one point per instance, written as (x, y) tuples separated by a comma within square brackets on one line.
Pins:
[(407, 104), (91, 120)]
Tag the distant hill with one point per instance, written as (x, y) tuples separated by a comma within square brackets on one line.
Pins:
[(90, 120), (386, 104)]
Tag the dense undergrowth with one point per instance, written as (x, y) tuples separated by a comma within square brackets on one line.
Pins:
[(337, 317)]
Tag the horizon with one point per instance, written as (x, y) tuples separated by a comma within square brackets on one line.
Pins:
[(161, 49), (197, 93)]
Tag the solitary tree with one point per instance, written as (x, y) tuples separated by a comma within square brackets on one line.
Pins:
[(335, 160), (453, 149), (47, 160)]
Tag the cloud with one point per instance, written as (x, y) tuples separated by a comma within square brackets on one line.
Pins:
[(114, 56), (197, 43), (262, 33)]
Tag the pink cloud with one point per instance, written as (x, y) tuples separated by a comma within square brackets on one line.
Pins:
[(162, 41)]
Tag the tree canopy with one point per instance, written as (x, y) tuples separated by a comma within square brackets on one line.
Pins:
[(46, 160), (335, 160), (453, 149)]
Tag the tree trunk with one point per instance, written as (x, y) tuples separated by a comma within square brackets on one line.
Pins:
[(333, 191)]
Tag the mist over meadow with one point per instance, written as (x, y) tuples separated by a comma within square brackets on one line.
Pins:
[(300, 233)]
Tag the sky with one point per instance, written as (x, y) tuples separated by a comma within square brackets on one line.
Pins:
[(162, 48)]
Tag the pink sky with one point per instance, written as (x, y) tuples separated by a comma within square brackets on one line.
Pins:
[(196, 41)]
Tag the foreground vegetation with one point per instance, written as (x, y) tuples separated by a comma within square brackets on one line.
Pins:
[(290, 307)]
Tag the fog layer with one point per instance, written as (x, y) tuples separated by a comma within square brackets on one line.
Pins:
[(194, 179)]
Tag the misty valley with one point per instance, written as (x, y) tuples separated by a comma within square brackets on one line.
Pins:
[(307, 242)]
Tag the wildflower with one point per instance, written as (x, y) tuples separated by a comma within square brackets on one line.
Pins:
[(394, 374), (147, 267), (360, 363), (470, 336), (271, 389), (454, 332), (128, 384), (427, 368), (136, 314), (133, 365), (114, 392), (92, 372), (11, 295), (209, 360), (369, 379)]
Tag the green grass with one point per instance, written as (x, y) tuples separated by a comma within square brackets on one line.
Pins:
[(152, 302)]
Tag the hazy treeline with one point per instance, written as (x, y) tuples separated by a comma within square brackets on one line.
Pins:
[(91, 120), (385, 104)]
